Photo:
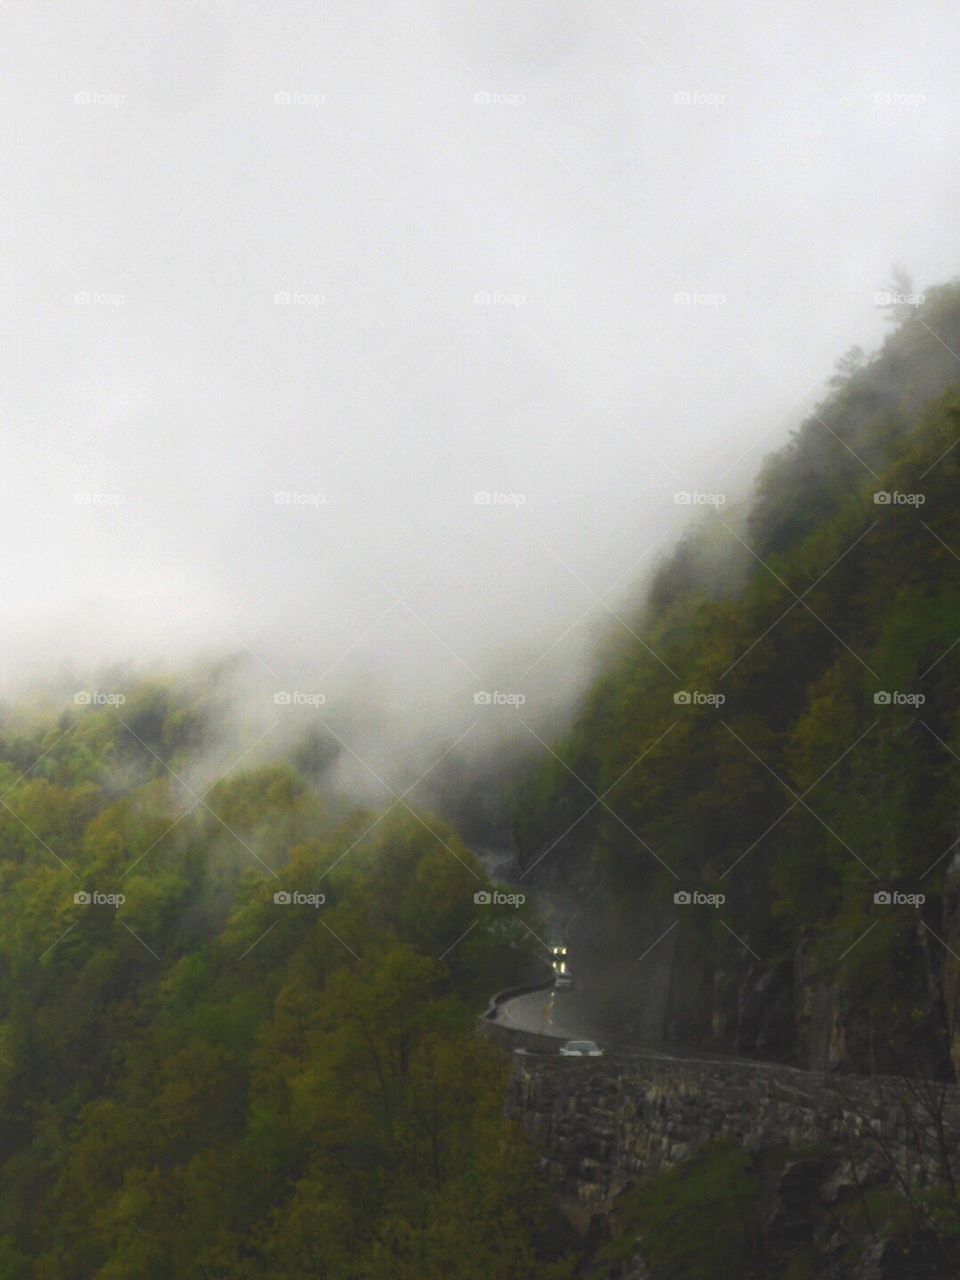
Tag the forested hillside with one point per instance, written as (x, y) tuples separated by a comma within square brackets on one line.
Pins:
[(199, 1080), (823, 765), (237, 1023)]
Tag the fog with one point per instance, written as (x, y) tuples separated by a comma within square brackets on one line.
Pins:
[(373, 343)]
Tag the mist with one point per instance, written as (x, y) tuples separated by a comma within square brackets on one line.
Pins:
[(374, 344)]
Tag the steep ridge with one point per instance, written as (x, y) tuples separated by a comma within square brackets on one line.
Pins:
[(782, 740)]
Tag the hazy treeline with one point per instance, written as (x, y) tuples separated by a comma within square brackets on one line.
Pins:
[(201, 1079)]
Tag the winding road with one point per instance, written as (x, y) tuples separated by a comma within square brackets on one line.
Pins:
[(569, 1015), (579, 1014)]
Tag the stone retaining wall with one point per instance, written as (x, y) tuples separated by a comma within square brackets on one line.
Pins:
[(603, 1124)]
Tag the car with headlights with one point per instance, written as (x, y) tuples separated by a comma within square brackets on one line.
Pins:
[(581, 1049)]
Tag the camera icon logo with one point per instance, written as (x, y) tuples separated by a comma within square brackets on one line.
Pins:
[(681, 698), (282, 898), (482, 699), (82, 898), (482, 898), (882, 898), (282, 698), (681, 898), (882, 698), (83, 698), (881, 498)]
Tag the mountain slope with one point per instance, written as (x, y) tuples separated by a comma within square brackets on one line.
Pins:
[(817, 760)]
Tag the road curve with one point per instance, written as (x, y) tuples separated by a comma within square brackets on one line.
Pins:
[(573, 1015), (548, 1013), (568, 1015)]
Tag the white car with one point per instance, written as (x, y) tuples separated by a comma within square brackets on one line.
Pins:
[(581, 1049)]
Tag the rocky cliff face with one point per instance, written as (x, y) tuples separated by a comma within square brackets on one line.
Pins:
[(799, 1013), (794, 1011), (951, 961)]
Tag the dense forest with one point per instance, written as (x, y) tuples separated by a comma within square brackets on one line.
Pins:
[(782, 727), (237, 1021), (200, 1080)]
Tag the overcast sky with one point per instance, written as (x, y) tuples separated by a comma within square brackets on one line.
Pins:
[(285, 287)]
